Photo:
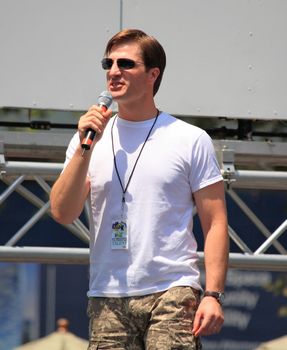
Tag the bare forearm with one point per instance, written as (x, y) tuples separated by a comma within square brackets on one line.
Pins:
[(216, 259), (69, 193), (211, 208)]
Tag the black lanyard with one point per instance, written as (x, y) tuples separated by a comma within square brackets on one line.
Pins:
[(124, 189)]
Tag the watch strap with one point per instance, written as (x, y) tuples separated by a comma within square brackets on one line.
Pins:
[(219, 296)]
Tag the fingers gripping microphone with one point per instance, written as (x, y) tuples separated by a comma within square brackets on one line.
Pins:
[(104, 101)]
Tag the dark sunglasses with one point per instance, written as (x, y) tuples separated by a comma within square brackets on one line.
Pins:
[(122, 63)]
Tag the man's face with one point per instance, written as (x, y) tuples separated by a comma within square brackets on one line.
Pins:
[(128, 85)]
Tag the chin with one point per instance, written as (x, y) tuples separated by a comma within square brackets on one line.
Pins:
[(117, 96), (115, 92)]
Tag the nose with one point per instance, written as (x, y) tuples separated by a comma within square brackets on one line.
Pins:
[(114, 69)]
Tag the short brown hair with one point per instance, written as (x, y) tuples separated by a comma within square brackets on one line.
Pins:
[(153, 54)]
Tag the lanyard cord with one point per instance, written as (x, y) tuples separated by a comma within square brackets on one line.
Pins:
[(124, 189)]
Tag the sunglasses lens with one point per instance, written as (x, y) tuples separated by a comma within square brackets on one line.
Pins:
[(107, 63), (125, 63), (122, 63)]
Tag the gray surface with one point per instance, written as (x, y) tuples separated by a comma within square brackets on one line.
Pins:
[(225, 57)]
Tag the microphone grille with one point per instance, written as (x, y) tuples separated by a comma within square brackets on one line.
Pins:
[(105, 99)]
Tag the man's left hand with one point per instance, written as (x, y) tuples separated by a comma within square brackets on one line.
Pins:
[(208, 318)]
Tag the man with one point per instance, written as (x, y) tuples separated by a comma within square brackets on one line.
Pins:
[(143, 175)]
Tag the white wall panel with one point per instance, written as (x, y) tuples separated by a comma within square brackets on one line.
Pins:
[(225, 57), (51, 51)]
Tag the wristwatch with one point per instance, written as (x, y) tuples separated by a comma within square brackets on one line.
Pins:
[(219, 296)]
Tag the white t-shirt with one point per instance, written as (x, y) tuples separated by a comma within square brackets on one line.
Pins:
[(177, 160)]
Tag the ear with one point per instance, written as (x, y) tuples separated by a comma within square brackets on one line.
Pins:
[(153, 74)]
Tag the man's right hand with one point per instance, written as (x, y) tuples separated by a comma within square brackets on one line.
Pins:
[(96, 119)]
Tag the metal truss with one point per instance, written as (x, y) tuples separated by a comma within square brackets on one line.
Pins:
[(232, 155)]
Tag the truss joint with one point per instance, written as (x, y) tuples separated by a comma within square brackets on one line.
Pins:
[(227, 165), (2, 159)]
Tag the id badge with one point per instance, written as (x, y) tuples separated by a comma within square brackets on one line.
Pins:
[(119, 235)]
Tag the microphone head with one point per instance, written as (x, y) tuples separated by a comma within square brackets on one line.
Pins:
[(105, 99)]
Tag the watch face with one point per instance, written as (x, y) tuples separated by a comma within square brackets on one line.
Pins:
[(221, 297)]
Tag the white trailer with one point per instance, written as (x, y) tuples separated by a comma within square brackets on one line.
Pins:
[(225, 58)]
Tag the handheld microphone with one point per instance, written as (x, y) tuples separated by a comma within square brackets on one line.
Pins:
[(104, 101)]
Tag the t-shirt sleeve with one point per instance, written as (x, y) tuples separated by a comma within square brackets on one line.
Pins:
[(205, 170), (71, 149)]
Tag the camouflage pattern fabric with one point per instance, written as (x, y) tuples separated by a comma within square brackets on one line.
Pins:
[(160, 321)]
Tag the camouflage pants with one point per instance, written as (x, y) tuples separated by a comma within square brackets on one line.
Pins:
[(160, 321)]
